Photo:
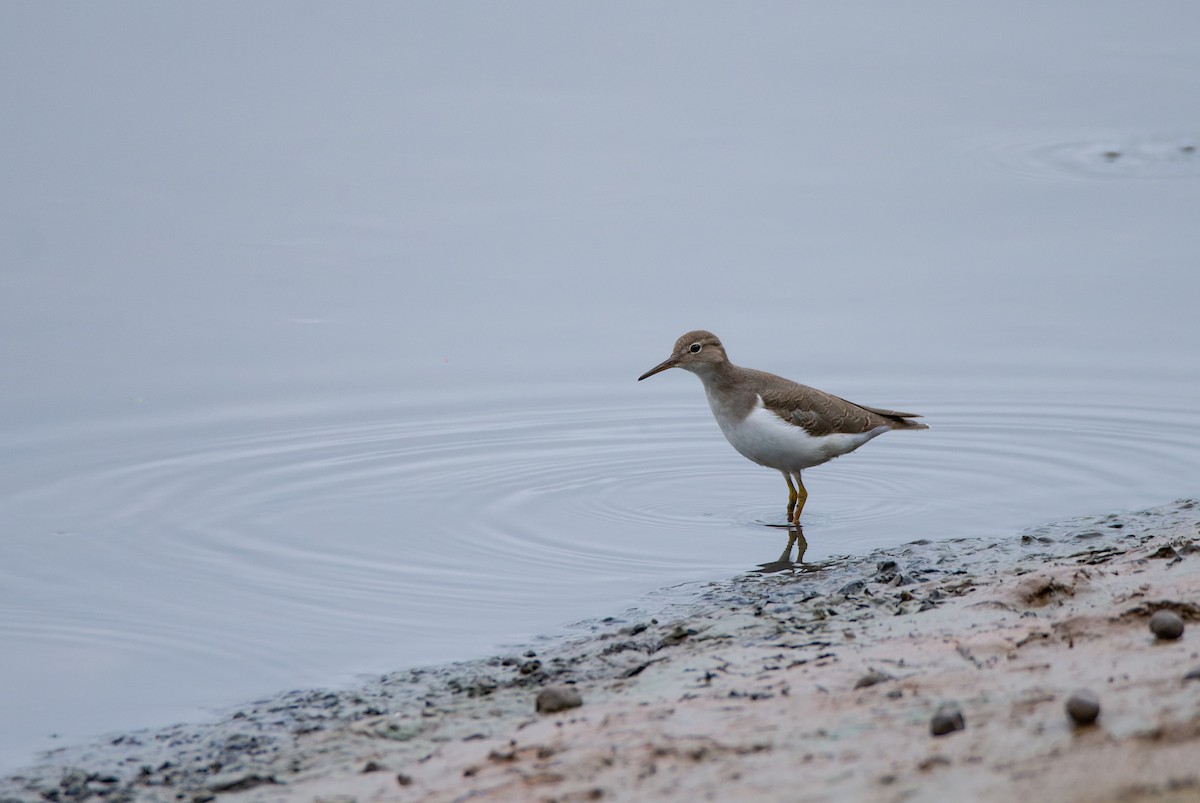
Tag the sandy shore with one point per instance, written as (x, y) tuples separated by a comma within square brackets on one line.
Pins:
[(811, 682)]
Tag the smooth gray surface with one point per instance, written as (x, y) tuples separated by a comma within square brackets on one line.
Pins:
[(319, 325)]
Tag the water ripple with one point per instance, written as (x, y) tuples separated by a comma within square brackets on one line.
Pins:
[(290, 541), (1129, 156)]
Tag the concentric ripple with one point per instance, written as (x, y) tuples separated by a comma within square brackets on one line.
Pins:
[(236, 551)]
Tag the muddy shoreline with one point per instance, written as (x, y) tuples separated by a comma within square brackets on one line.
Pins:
[(803, 682)]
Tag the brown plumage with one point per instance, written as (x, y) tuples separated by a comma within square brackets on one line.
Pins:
[(822, 413)]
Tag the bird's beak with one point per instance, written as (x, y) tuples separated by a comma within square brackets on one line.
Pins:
[(670, 362)]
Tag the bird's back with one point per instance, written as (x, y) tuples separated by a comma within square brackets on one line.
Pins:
[(821, 413)]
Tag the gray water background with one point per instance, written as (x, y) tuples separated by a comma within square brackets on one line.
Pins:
[(319, 323)]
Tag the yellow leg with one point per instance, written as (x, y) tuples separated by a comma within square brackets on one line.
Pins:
[(791, 488), (801, 496), (792, 497)]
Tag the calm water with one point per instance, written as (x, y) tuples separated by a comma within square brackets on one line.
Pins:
[(320, 326)]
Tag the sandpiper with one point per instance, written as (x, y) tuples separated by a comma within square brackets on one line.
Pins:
[(774, 421)]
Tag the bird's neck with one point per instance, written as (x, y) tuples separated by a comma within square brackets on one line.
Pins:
[(730, 399), (723, 375)]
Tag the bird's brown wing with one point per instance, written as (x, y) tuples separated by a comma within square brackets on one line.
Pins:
[(821, 413)]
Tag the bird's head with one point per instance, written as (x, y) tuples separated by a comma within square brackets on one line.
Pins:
[(700, 352)]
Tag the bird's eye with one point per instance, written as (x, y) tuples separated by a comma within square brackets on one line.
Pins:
[(695, 349)]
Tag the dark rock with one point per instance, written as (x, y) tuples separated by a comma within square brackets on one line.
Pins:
[(557, 698), (852, 588), (871, 678), (925, 765), (886, 572), (73, 781), (1193, 675), (676, 636), (947, 719), (1083, 706), (636, 670), (240, 781), (502, 755), (1166, 625), (404, 780), (372, 766)]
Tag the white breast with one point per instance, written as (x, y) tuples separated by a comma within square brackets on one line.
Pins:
[(770, 441)]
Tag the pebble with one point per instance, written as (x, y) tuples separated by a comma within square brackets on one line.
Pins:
[(1166, 625), (557, 698), (872, 678), (948, 719), (1083, 706)]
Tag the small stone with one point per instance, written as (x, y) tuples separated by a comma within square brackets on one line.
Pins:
[(871, 678), (404, 780), (1193, 674), (73, 779), (1166, 625), (852, 588), (676, 636), (239, 782), (1083, 706), (371, 766), (557, 698), (947, 719)]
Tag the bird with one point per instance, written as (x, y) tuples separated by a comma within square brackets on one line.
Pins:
[(776, 422)]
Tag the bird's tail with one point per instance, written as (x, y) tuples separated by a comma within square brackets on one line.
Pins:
[(898, 420)]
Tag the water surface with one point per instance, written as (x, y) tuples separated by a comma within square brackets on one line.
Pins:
[(320, 326)]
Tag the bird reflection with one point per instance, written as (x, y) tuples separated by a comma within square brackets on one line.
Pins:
[(784, 562)]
